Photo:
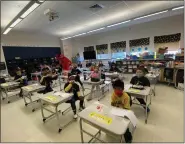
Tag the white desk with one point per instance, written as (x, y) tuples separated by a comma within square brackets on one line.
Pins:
[(27, 90), (54, 100), (140, 94), (104, 121), (5, 88), (112, 75), (95, 84)]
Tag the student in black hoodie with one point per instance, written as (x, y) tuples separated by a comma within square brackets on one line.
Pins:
[(114, 68), (20, 77), (140, 79), (46, 80), (77, 72), (73, 86)]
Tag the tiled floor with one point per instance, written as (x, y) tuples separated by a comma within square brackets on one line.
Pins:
[(165, 123)]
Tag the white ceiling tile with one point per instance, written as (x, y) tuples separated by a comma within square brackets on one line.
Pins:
[(75, 16), (9, 9)]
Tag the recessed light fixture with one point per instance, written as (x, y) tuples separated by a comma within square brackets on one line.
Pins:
[(151, 15), (79, 34), (66, 38), (34, 6), (41, 1), (118, 23), (30, 7), (16, 22), (7, 30), (177, 8), (74, 36), (96, 30)]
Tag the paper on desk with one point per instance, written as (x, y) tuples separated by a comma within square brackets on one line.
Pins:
[(133, 90), (51, 98), (61, 94), (4, 84), (125, 113), (29, 87)]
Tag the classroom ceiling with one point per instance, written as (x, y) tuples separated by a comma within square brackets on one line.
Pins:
[(75, 16)]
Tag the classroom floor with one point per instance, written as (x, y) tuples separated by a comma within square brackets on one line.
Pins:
[(165, 122)]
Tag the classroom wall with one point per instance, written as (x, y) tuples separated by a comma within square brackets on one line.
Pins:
[(29, 39), (165, 26)]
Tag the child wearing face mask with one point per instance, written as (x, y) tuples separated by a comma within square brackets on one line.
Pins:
[(122, 100), (95, 76), (20, 77), (72, 86), (140, 79)]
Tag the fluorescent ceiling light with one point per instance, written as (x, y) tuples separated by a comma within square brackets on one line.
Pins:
[(7, 30), (74, 36), (151, 15), (66, 38), (79, 34), (15, 22), (41, 0), (96, 30), (118, 23), (34, 6), (181, 7)]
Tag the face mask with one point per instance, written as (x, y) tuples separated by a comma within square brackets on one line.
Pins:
[(118, 92), (139, 75)]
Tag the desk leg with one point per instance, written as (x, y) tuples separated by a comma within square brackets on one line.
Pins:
[(146, 113), (60, 83), (58, 119), (122, 138), (81, 131), (99, 92), (42, 111), (24, 97), (6, 93), (31, 102)]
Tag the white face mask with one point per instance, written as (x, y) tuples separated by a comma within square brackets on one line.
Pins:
[(139, 74)]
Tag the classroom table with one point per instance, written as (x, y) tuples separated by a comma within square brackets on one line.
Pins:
[(6, 86), (100, 117), (36, 74), (145, 93), (27, 93), (111, 75), (153, 78), (54, 99), (97, 85)]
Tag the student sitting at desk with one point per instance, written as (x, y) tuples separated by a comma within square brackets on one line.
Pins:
[(122, 100), (46, 80), (79, 64), (144, 68), (77, 72), (73, 86), (19, 77), (100, 64), (95, 76), (140, 79), (114, 68)]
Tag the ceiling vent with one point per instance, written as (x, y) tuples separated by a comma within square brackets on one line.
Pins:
[(96, 7)]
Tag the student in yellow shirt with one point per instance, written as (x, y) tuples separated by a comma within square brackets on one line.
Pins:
[(122, 100)]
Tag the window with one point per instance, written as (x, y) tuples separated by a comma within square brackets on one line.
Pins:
[(103, 56), (119, 55)]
